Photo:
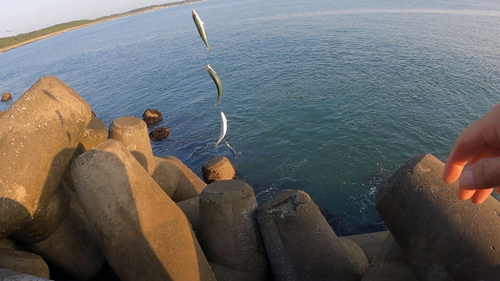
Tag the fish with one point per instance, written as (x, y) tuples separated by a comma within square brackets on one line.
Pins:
[(217, 82), (199, 25), (223, 128)]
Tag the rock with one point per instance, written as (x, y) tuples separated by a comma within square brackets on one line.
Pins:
[(228, 225), (1, 113), (442, 237), (152, 116), (93, 114), (23, 262), (143, 234), (40, 133), (159, 133), (300, 244), (218, 168), (6, 96), (7, 274)]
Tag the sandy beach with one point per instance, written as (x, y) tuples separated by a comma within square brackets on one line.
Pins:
[(154, 8)]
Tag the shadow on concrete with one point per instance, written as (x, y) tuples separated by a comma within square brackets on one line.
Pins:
[(139, 228)]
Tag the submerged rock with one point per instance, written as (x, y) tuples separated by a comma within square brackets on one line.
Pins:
[(6, 96), (152, 116), (159, 133)]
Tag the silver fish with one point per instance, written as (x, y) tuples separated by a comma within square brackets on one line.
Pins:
[(223, 128), (199, 25), (217, 82)]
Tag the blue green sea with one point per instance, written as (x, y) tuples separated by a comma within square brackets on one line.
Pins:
[(326, 96)]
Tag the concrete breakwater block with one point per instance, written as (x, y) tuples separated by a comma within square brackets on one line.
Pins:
[(23, 262), (370, 243), (226, 274), (171, 176), (218, 168), (301, 245), (228, 225), (73, 246), (7, 274), (141, 231), (191, 209), (442, 237), (189, 185), (40, 133), (389, 264), (95, 133), (8, 244)]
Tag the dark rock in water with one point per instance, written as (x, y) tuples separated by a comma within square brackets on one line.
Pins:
[(159, 134), (6, 96), (152, 116)]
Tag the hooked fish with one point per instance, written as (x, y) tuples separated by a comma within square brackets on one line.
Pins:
[(223, 128), (217, 82), (199, 25)]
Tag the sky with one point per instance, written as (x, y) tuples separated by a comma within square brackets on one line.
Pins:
[(22, 16)]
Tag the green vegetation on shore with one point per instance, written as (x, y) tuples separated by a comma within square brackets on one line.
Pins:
[(7, 43), (13, 40)]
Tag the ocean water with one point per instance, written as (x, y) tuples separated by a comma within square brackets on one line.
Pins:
[(326, 96)]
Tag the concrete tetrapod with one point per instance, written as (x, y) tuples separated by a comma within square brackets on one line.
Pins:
[(73, 246), (40, 133), (133, 133), (95, 134), (23, 262), (191, 209), (142, 233), (7, 274), (218, 168), (442, 237), (228, 225), (300, 244)]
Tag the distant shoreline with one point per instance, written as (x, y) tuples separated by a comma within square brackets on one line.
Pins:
[(97, 21)]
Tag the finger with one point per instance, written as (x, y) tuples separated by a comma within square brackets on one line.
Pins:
[(481, 175), (488, 153), (481, 195), (468, 144), (464, 194), (454, 171), (479, 136)]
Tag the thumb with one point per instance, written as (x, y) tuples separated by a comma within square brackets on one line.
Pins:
[(483, 174)]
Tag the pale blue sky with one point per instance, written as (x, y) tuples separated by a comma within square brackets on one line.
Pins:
[(29, 15)]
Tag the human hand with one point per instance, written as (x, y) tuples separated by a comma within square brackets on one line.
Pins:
[(478, 147)]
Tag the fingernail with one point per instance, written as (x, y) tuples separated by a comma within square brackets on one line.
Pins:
[(467, 180)]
